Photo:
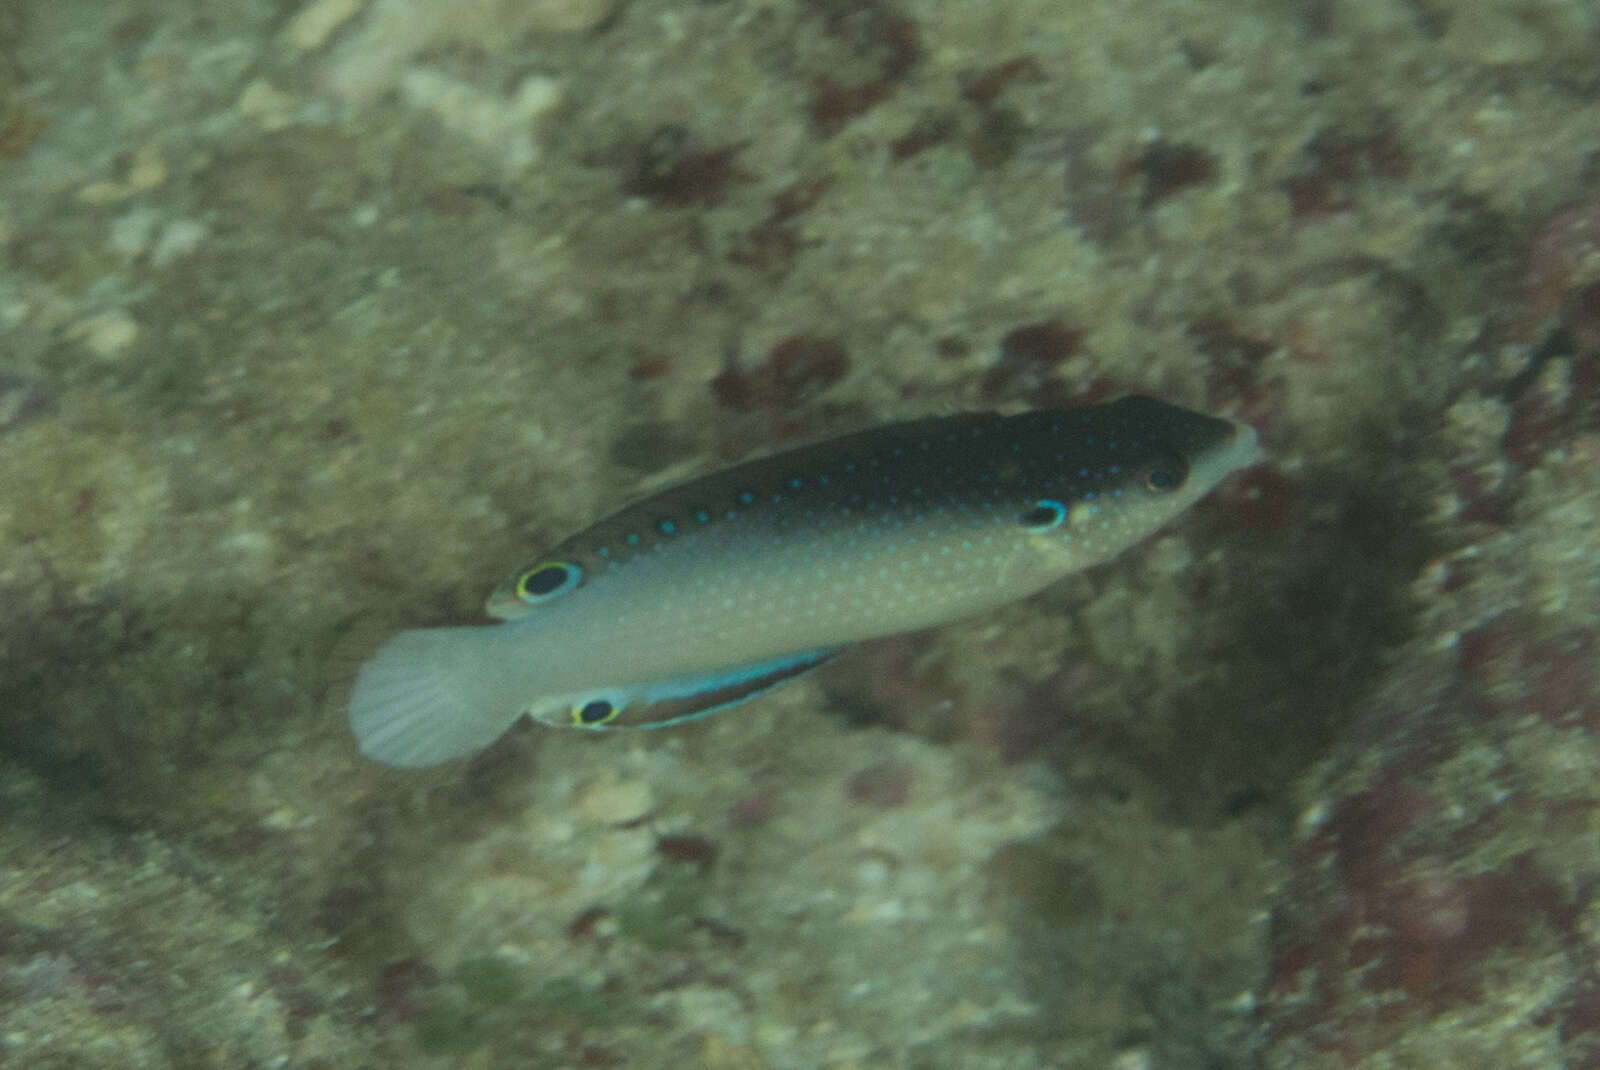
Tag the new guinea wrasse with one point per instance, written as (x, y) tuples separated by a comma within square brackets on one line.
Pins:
[(707, 594)]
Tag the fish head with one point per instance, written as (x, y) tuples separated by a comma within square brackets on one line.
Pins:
[(1131, 466)]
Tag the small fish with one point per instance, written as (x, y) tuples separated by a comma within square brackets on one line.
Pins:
[(704, 595)]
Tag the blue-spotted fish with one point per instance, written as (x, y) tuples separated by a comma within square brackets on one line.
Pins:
[(702, 596)]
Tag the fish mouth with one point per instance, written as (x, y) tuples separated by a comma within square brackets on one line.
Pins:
[(1236, 446), (1244, 448)]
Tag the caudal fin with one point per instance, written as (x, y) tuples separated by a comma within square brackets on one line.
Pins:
[(429, 696)]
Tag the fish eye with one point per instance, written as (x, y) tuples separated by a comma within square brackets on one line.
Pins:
[(1164, 476), (1044, 515), (594, 713), (544, 582)]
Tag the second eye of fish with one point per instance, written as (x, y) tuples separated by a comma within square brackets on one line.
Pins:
[(544, 582)]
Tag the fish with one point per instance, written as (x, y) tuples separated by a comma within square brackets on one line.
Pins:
[(700, 597)]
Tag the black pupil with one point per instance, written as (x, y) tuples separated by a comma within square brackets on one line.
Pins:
[(1040, 515), (1160, 479), (598, 710), (546, 579)]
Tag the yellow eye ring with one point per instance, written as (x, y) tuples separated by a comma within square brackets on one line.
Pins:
[(595, 712), (547, 580), (1164, 477)]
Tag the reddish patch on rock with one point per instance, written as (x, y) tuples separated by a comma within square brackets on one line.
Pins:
[(1261, 499), (798, 367), (1567, 241), (697, 851), (1234, 358), (1540, 422), (833, 104), (894, 682), (753, 810), (886, 785), (1558, 395), (1312, 197), (1367, 831), (1429, 935), (583, 926), (983, 87), (1582, 314), (1426, 931), (1384, 903), (594, 1057), (649, 366), (1580, 1024), (1416, 928), (1484, 489), (773, 243), (876, 35), (1047, 713), (674, 170), (1233, 377), (463, 200), (403, 989), (1029, 357), (1168, 168), (1553, 678), (1339, 163), (925, 133)]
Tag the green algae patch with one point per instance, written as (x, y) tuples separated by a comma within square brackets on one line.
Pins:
[(1042, 879), (663, 914), (571, 998), (449, 1027), (490, 981)]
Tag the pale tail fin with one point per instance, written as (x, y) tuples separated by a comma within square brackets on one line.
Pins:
[(429, 696)]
